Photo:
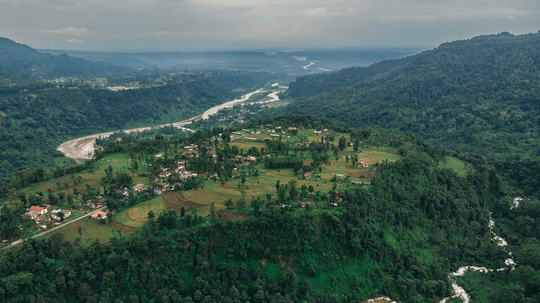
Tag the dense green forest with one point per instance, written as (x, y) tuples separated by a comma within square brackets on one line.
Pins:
[(400, 237), (479, 95), (314, 84), (24, 60), (35, 117)]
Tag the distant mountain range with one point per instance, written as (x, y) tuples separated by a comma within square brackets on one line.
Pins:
[(297, 62), (23, 60)]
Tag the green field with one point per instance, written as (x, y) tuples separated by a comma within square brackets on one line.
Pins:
[(91, 230), (138, 215), (459, 166)]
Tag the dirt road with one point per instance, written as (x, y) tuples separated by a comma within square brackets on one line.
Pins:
[(83, 148)]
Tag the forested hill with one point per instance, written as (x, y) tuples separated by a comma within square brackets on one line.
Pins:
[(24, 60), (36, 117), (310, 85), (480, 95), (400, 237)]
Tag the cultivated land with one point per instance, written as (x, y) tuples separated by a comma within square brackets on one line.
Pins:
[(198, 201)]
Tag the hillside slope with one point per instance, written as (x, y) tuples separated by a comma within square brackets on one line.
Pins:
[(24, 60), (311, 85), (398, 236), (479, 95), (35, 117)]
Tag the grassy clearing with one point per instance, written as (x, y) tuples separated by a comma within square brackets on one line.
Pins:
[(94, 230), (91, 230), (246, 144), (66, 184), (71, 231), (138, 215), (461, 167)]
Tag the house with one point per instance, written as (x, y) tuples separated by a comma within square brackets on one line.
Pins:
[(316, 132), (303, 204), (35, 211), (307, 176), (292, 128), (157, 192), (90, 204), (99, 215), (42, 221), (251, 158), (54, 214), (138, 187), (191, 147), (363, 164)]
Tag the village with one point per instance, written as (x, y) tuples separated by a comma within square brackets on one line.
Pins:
[(229, 171)]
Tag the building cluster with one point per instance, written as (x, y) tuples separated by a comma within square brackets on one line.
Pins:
[(38, 214)]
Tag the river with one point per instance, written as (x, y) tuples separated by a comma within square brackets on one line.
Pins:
[(83, 147)]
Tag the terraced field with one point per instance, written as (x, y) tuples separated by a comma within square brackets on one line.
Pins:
[(138, 215)]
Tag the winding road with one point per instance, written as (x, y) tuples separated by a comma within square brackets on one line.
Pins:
[(83, 147)]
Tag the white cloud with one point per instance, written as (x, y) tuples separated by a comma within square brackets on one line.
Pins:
[(259, 23), (68, 31), (74, 40), (317, 12)]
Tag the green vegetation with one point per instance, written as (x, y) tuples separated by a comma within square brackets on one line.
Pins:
[(478, 95), (459, 166), (32, 126), (290, 208), (355, 251), (23, 60)]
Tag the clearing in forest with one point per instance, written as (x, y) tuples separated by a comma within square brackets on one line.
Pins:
[(175, 200), (138, 215)]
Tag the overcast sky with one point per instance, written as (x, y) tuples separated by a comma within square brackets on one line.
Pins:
[(252, 24)]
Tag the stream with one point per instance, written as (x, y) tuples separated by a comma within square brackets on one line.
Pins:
[(457, 290)]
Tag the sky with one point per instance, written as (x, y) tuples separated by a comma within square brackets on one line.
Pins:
[(258, 24)]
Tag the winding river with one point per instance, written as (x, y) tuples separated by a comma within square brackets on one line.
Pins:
[(83, 147)]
